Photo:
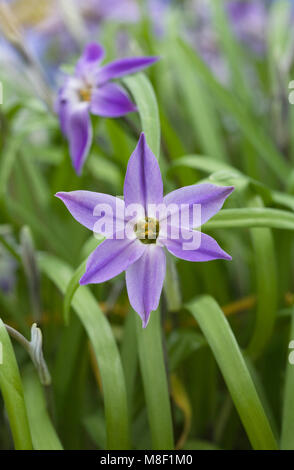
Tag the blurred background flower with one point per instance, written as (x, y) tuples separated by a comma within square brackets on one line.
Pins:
[(248, 20), (8, 269)]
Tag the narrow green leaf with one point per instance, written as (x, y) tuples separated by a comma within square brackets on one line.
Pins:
[(202, 163), (267, 281), (6, 164), (145, 99), (43, 433), (197, 444), (12, 392), (226, 351), (74, 283), (212, 165), (249, 125), (71, 289), (182, 343), (107, 355), (29, 262), (45, 230), (231, 49), (95, 426), (252, 217), (287, 439), (10, 248), (199, 105), (155, 382), (105, 170), (129, 357)]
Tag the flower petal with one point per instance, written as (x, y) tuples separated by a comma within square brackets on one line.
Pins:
[(193, 245), (91, 57), (63, 110), (79, 134), (209, 196), (87, 208), (145, 281), (121, 67), (110, 100), (143, 182), (110, 258)]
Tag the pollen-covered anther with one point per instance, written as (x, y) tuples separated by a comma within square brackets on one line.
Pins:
[(86, 93), (147, 230)]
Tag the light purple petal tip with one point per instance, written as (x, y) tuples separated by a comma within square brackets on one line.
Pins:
[(88, 208), (193, 245), (110, 100), (145, 281), (208, 196), (79, 134), (92, 56), (121, 67), (111, 258), (143, 182)]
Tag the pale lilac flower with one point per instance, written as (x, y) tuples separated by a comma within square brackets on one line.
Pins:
[(8, 268), (141, 251), (248, 20), (90, 90), (126, 11)]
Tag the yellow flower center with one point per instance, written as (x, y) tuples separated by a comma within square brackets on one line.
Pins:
[(86, 93), (147, 230)]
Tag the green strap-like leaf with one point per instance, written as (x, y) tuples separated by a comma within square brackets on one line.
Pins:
[(107, 355), (252, 217), (248, 125), (145, 99), (199, 105), (12, 392), (226, 351), (43, 433), (287, 440), (74, 283), (155, 383), (211, 165), (231, 49), (71, 290), (129, 357), (267, 280)]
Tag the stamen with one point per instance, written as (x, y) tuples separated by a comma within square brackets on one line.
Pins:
[(147, 230), (86, 93)]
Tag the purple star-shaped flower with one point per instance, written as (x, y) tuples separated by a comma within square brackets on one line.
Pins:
[(90, 90), (137, 244)]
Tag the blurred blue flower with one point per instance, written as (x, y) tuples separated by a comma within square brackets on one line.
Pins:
[(248, 20), (8, 268)]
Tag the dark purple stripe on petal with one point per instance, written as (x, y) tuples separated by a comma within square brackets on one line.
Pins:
[(143, 182), (145, 281), (111, 258)]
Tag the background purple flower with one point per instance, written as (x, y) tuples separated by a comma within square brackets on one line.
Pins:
[(143, 258), (8, 268), (248, 20), (90, 90)]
